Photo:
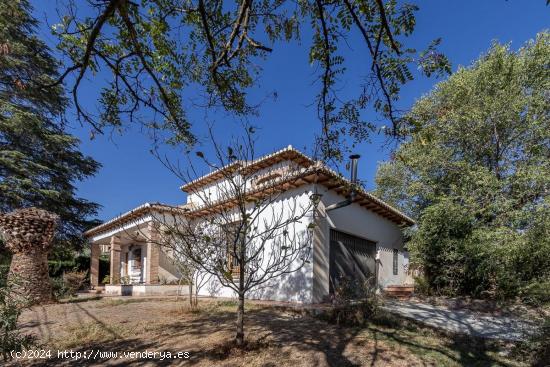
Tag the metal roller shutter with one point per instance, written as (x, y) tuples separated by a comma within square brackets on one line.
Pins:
[(352, 257)]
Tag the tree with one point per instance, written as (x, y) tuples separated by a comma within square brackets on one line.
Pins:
[(191, 274), (244, 229), (475, 171), (11, 339), (39, 162), (159, 51)]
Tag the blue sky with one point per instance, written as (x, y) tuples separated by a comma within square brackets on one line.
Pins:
[(131, 176)]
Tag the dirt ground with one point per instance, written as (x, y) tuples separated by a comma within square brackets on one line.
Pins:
[(276, 337)]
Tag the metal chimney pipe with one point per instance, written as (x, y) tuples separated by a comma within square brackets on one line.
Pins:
[(349, 200), (354, 160)]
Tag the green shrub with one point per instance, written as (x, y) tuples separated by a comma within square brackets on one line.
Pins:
[(4, 269), (10, 309), (125, 280), (541, 345), (461, 257), (353, 302), (227, 303), (58, 288), (58, 267), (439, 247), (482, 212), (353, 314), (536, 294), (422, 286), (68, 284), (74, 281), (536, 350)]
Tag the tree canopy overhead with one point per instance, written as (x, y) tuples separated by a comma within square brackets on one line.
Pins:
[(39, 162), (475, 171), (156, 51)]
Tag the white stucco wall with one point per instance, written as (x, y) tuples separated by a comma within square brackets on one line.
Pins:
[(311, 283), (221, 188), (296, 286), (168, 272), (360, 222), (212, 192)]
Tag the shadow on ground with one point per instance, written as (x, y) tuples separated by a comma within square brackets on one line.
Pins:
[(287, 339)]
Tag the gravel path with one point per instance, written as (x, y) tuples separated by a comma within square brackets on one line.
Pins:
[(463, 321)]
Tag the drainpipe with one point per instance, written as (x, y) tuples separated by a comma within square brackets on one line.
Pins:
[(354, 160)]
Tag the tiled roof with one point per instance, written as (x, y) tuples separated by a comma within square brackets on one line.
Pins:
[(310, 172), (319, 174), (288, 153), (134, 214)]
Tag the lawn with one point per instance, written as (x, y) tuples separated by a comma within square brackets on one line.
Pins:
[(277, 336)]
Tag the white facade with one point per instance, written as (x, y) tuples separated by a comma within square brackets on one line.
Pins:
[(297, 285), (360, 222), (309, 276), (310, 284)]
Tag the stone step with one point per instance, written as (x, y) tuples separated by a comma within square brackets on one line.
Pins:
[(92, 291), (399, 291)]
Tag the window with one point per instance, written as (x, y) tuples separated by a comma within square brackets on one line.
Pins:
[(395, 261), (230, 230), (233, 264)]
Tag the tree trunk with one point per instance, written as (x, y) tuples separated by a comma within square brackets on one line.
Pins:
[(191, 294), (29, 274), (240, 310), (240, 321)]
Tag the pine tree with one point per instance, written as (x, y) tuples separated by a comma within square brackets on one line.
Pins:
[(39, 162)]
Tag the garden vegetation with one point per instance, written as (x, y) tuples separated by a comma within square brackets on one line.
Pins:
[(475, 173)]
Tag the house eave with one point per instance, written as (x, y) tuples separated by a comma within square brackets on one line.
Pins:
[(288, 153), (132, 215), (310, 172), (318, 174)]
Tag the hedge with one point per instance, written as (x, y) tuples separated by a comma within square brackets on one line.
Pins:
[(57, 267)]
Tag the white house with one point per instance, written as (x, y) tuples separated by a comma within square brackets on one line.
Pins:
[(354, 234)]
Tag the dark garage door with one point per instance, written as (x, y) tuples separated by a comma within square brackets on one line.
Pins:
[(351, 257)]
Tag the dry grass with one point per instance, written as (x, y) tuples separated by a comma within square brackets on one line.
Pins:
[(275, 337), (111, 302), (90, 333)]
